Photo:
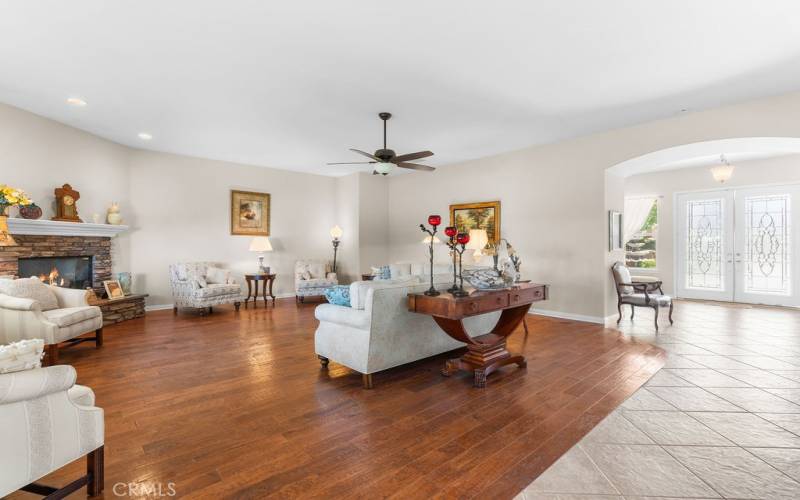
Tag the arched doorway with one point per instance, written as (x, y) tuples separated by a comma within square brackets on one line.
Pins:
[(728, 242)]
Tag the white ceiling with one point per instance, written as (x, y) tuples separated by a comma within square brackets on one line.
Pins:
[(295, 84)]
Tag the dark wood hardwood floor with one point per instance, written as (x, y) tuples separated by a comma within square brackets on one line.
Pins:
[(236, 405)]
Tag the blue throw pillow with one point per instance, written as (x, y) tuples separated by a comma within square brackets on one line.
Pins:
[(338, 295), (384, 273)]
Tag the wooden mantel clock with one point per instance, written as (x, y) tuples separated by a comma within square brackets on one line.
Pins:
[(66, 210)]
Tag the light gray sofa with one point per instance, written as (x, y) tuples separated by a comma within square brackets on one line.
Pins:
[(378, 332)]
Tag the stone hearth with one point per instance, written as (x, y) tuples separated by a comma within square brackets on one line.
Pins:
[(98, 247)]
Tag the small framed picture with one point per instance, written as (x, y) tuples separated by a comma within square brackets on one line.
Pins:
[(113, 289), (614, 230)]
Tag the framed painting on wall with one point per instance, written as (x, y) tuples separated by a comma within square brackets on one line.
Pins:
[(482, 215), (249, 213)]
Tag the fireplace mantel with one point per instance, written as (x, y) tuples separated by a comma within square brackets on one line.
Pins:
[(60, 228)]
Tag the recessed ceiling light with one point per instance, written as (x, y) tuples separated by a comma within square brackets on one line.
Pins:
[(145, 136), (76, 101)]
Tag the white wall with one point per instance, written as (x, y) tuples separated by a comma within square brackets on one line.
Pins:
[(346, 211), (553, 196), (785, 169), (182, 208), (38, 155)]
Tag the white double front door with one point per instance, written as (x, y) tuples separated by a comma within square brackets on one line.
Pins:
[(739, 245)]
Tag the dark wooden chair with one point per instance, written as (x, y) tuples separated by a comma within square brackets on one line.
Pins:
[(638, 293)]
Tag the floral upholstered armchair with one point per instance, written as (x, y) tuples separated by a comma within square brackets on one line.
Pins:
[(312, 278), (202, 285)]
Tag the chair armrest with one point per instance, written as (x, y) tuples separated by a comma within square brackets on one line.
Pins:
[(17, 303), (69, 297), (32, 384), (645, 288)]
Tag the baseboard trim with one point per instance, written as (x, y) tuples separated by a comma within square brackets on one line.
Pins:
[(571, 316)]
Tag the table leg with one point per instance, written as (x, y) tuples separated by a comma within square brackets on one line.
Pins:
[(272, 295), (249, 291), (485, 353), (264, 292)]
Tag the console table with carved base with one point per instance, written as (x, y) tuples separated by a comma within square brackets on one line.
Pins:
[(485, 353)]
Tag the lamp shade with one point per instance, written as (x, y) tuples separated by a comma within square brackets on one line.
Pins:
[(722, 173), (336, 232), (427, 240), (260, 244), (478, 239)]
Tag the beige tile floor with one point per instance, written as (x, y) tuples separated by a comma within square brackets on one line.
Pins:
[(720, 420)]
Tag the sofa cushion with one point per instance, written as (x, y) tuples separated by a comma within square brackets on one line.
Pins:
[(217, 275), (359, 289), (30, 288), (384, 273), (316, 269), (640, 299), (316, 283), (217, 289), (71, 315), (22, 355), (338, 295), (346, 316), (399, 270)]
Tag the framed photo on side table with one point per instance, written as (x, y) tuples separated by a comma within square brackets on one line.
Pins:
[(113, 289)]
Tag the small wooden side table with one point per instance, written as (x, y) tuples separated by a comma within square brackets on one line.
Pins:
[(252, 288), (485, 353)]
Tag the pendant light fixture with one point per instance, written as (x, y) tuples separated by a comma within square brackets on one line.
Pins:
[(723, 171)]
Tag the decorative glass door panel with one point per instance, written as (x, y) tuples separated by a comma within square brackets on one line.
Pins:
[(704, 267), (704, 244), (764, 263), (738, 245)]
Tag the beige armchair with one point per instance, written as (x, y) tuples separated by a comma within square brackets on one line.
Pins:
[(54, 314), (312, 278), (46, 422)]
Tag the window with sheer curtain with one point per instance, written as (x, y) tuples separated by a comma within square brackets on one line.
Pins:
[(641, 231)]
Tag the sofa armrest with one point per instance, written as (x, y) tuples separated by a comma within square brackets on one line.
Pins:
[(32, 384), (17, 303), (343, 315), (69, 297)]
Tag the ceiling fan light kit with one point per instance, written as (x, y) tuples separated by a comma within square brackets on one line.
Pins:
[(385, 159)]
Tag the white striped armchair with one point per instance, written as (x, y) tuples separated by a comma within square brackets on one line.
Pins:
[(61, 320), (46, 422)]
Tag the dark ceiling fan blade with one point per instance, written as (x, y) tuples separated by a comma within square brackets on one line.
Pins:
[(412, 156), (371, 157), (416, 166), (352, 163)]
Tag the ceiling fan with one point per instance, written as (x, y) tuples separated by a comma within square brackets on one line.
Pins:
[(385, 159)]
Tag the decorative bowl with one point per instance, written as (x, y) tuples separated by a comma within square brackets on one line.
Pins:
[(487, 279)]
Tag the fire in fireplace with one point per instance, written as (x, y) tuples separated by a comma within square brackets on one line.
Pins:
[(68, 272)]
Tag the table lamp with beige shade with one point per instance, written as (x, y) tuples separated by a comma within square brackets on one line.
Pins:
[(262, 245), (478, 239)]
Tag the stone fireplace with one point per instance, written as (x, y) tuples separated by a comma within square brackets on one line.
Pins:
[(89, 256)]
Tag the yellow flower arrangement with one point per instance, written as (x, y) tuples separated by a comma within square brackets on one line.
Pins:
[(12, 197)]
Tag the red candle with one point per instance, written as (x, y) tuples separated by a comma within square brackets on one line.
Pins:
[(434, 220), (463, 238), (450, 231)]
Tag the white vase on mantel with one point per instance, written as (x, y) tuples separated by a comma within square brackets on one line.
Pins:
[(113, 217)]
